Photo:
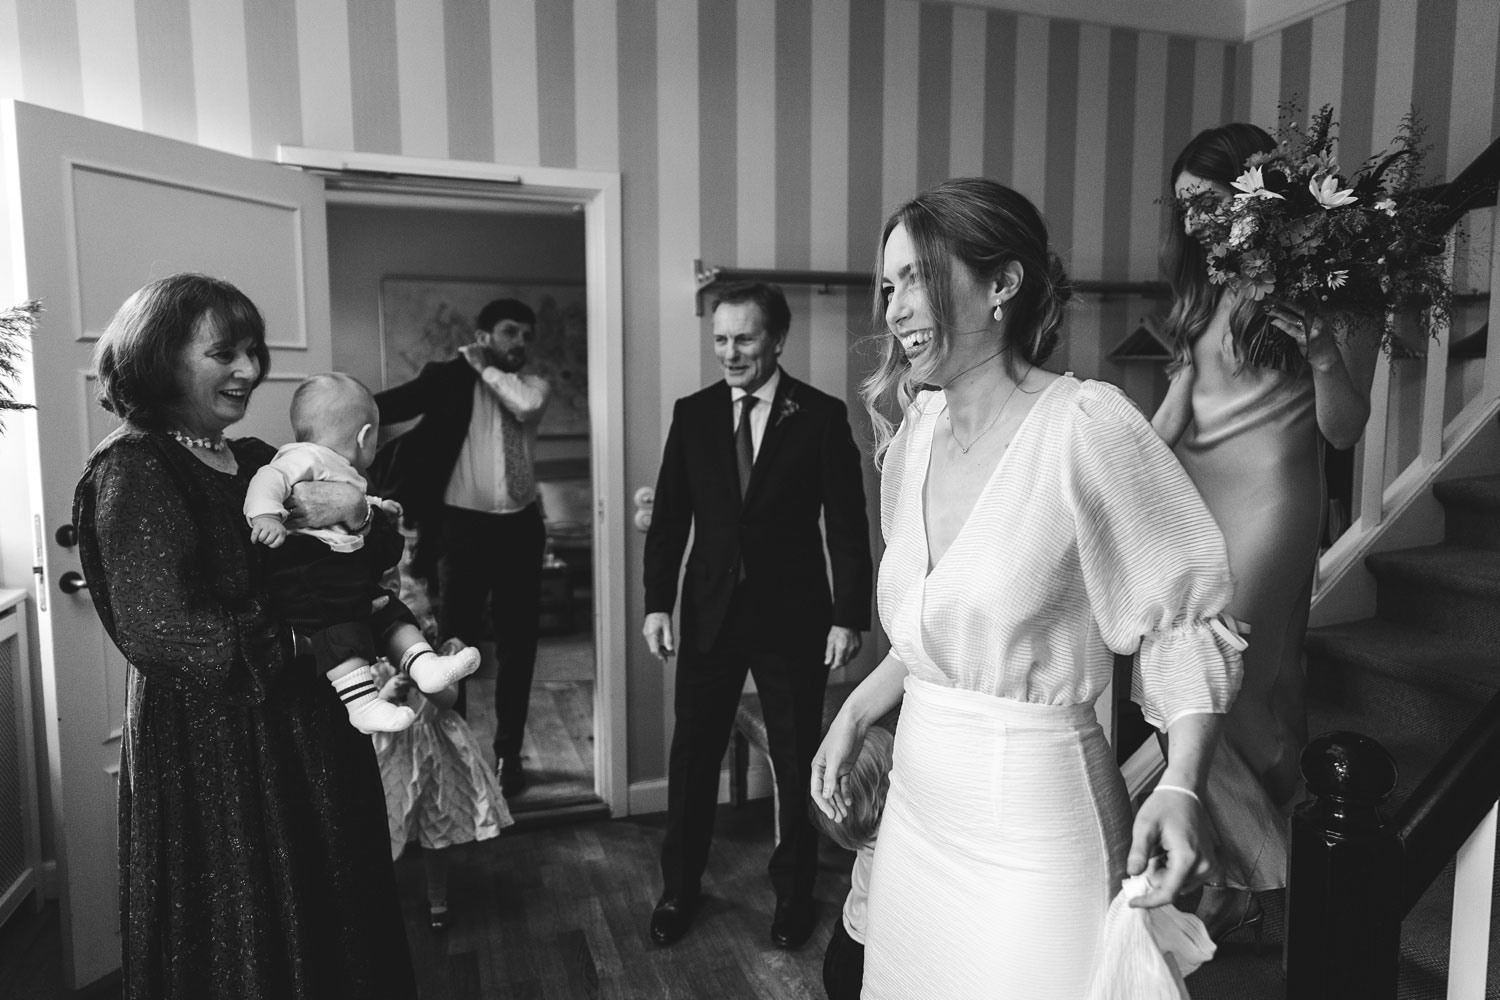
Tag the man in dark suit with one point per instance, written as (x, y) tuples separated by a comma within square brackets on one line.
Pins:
[(465, 476), (750, 465)]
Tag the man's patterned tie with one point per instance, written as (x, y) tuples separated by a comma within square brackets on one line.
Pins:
[(519, 481)]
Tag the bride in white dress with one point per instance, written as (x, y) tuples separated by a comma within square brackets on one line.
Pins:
[(1034, 525)]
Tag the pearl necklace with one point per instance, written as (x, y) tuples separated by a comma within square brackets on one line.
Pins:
[(216, 443)]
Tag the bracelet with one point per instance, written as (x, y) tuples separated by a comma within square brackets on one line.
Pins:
[(364, 525), (1179, 790)]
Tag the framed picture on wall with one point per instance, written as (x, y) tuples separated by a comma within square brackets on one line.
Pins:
[(428, 319)]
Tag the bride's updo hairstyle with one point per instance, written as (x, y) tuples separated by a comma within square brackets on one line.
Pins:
[(982, 225), (1217, 155)]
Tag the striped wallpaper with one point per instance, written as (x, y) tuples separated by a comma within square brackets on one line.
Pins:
[(1375, 59), (758, 133)]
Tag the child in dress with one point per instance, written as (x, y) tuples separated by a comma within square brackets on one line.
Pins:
[(844, 961), (324, 581), (438, 789)]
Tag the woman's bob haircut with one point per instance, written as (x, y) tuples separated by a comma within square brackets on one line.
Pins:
[(136, 359)]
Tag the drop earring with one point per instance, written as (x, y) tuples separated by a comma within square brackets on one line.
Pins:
[(999, 311)]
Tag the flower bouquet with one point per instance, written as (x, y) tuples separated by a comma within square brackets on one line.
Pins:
[(1358, 248)]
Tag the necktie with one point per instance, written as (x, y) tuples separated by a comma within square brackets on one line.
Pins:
[(744, 444), (519, 482)]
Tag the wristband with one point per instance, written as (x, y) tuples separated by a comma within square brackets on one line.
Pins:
[(364, 525), (1179, 790)]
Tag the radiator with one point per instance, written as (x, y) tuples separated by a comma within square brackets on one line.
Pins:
[(20, 863)]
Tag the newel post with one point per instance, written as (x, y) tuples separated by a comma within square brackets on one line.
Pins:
[(1343, 914)]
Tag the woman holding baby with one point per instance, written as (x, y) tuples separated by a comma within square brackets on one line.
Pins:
[(254, 859)]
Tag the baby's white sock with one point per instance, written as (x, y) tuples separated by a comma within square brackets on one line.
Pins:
[(433, 672), (368, 712)]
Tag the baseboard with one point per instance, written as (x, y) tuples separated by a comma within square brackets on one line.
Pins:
[(651, 796)]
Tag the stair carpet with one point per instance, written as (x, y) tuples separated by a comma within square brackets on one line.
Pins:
[(1414, 676)]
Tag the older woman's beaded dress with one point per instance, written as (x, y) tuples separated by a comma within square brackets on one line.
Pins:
[(253, 845)]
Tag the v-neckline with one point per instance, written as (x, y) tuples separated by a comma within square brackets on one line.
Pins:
[(929, 566)]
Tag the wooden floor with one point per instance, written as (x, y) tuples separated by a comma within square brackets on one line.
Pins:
[(563, 913), (558, 749)]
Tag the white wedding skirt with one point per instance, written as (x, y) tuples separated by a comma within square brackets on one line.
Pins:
[(1003, 841)]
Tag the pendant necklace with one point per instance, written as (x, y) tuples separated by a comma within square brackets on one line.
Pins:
[(216, 443), (993, 420)]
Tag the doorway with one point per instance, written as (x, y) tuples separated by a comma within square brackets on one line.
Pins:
[(408, 273), (95, 210), (431, 238)]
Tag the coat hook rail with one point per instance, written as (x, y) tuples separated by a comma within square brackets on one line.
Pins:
[(710, 275)]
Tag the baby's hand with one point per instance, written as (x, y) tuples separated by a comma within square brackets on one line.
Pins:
[(268, 530), (392, 508), (397, 688)]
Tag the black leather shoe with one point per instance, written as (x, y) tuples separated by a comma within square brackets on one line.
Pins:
[(793, 923), (672, 917), (512, 778)]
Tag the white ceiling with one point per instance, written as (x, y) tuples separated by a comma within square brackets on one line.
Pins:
[(1230, 20), (1262, 16)]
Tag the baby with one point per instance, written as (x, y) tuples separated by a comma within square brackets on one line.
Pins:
[(844, 961), (325, 581)]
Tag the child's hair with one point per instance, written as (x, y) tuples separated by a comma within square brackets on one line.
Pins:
[(332, 406), (868, 783)]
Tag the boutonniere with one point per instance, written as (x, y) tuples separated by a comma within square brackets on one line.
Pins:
[(785, 407)]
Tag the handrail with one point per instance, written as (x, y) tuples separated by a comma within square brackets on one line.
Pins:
[(1474, 187), (711, 275), (1452, 799)]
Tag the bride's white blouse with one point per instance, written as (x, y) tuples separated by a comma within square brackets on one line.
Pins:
[(1088, 539)]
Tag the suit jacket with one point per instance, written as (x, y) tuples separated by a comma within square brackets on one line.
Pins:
[(414, 469), (807, 466)]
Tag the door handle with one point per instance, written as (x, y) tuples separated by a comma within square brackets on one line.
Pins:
[(72, 582), (67, 536)]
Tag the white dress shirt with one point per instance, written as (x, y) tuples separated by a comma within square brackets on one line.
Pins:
[(478, 481), (762, 412)]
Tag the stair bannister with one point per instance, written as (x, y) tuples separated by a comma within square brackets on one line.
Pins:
[(1438, 817), (1386, 483), (1343, 912), (1452, 813), (1492, 358), (1469, 945), (1353, 876), (1474, 187)]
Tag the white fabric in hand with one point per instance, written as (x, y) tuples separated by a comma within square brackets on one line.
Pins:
[(1146, 953)]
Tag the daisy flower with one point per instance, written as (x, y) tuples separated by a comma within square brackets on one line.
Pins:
[(1328, 193), (1251, 184)]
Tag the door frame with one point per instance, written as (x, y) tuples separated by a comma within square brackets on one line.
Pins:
[(598, 192)]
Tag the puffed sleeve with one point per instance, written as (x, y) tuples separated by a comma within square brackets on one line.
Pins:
[(1153, 560)]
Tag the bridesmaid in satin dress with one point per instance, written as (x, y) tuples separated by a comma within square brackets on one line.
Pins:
[(1257, 390)]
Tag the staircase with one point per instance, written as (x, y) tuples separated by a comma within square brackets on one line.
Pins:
[(1412, 678)]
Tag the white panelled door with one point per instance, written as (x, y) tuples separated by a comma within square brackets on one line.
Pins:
[(94, 212)]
